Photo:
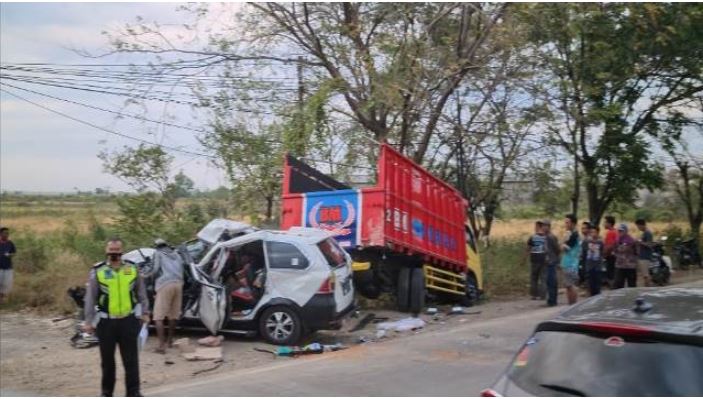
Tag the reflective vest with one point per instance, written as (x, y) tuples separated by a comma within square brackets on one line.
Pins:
[(118, 290)]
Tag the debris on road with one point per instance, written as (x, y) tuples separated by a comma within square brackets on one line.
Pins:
[(456, 310), (431, 311), (408, 324), (211, 341), (218, 363), (363, 322), (204, 354), (294, 351), (184, 345)]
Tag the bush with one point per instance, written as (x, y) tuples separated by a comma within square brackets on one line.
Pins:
[(45, 289), (504, 273)]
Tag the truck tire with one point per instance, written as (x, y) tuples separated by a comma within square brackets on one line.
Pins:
[(417, 291), (471, 295), (365, 284), (403, 289)]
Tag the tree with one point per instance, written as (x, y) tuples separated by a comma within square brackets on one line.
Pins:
[(152, 212), (182, 186), (253, 163), (612, 74)]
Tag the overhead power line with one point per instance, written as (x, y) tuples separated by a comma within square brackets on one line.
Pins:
[(166, 147)]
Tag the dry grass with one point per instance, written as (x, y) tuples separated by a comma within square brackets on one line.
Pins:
[(46, 289)]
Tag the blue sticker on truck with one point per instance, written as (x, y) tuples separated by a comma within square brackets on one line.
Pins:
[(337, 212)]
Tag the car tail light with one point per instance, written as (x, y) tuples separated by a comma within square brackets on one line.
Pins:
[(615, 328), (327, 286), (489, 393)]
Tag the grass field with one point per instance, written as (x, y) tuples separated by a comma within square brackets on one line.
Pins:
[(58, 240)]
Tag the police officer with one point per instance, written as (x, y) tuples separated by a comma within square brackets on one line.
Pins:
[(114, 304)]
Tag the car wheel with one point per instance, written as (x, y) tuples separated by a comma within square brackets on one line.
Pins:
[(416, 301), (403, 289), (281, 325), (471, 295)]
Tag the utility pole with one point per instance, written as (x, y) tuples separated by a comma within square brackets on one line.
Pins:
[(299, 146)]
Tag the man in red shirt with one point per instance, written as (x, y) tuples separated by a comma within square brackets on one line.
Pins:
[(610, 242)]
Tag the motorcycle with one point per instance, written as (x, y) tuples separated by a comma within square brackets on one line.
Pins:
[(687, 254), (660, 266)]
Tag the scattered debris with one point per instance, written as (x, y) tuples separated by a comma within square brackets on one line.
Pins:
[(363, 322), (211, 341), (169, 362), (184, 345), (456, 310), (377, 320), (484, 335), (431, 311), (218, 363), (83, 340), (408, 324), (58, 319), (294, 351), (380, 334), (204, 354)]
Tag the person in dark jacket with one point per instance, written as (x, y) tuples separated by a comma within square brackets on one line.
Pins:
[(7, 251), (592, 251), (537, 252), (553, 253)]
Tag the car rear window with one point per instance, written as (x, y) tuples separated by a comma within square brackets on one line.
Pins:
[(332, 252), (566, 363)]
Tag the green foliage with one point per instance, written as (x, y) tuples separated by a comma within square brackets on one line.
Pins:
[(504, 270), (253, 163), (619, 72), (182, 186)]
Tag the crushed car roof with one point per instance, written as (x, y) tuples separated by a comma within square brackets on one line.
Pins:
[(212, 232), (676, 310)]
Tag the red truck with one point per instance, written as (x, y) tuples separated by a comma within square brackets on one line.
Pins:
[(407, 234)]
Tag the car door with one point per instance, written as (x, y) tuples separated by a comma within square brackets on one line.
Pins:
[(340, 264), (290, 274), (212, 304)]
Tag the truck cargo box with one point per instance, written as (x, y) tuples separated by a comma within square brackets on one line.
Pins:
[(409, 211)]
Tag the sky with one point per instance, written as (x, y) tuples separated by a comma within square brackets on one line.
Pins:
[(41, 151), (44, 152)]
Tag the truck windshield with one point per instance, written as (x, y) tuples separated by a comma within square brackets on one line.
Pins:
[(332, 252), (556, 363)]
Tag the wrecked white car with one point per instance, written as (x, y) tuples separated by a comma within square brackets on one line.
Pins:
[(281, 284)]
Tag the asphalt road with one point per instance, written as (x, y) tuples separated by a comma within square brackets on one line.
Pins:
[(456, 362)]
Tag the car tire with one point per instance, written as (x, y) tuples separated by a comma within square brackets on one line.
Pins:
[(403, 289), (416, 301), (471, 293), (281, 325)]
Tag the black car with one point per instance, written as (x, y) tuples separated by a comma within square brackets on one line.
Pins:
[(627, 342)]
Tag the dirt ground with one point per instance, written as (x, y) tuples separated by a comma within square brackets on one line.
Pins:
[(36, 358)]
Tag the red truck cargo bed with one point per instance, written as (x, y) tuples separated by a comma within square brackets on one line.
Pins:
[(409, 211)]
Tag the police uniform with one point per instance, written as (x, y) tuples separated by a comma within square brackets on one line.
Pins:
[(115, 300)]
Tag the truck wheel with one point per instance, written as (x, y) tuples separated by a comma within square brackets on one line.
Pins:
[(403, 289), (417, 291), (471, 295), (281, 325), (365, 284)]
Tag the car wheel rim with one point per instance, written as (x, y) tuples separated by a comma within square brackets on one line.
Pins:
[(280, 325)]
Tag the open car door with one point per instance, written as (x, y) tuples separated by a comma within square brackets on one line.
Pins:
[(212, 304)]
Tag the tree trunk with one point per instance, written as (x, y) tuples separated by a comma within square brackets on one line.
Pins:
[(577, 189), (269, 208)]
